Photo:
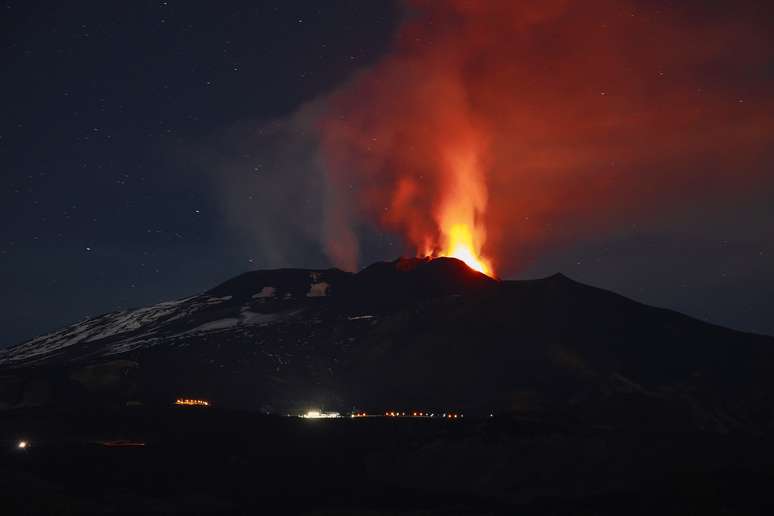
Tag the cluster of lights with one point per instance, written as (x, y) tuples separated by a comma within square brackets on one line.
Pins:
[(316, 414), (448, 415), (192, 402)]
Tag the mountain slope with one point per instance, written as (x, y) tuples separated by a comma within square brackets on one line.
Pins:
[(411, 333)]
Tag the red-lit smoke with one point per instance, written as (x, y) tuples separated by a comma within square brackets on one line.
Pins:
[(506, 126)]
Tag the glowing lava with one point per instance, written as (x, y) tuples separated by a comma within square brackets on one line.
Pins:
[(460, 246), (463, 200)]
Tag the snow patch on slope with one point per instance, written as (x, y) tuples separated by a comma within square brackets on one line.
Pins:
[(113, 325), (125, 322)]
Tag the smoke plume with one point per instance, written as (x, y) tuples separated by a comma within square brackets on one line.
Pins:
[(511, 126)]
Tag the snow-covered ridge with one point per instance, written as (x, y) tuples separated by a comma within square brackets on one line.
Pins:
[(119, 332), (102, 327), (242, 304)]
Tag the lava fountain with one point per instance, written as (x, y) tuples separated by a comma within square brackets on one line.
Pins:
[(460, 213), (404, 148), (461, 247)]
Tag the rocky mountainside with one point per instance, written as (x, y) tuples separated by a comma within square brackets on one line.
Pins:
[(409, 334)]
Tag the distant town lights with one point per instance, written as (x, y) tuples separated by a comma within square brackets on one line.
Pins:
[(319, 414), (22, 445), (412, 414)]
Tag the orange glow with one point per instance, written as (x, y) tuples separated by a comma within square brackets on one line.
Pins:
[(412, 414), (462, 200), (192, 402), (483, 135), (432, 183), (461, 246)]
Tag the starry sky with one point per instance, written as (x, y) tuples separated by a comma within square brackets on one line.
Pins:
[(150, 150)]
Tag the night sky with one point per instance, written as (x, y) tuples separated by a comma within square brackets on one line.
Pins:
[(150, 150)]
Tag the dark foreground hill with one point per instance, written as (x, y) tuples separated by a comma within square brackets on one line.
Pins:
[(408, 335), (188, 460)]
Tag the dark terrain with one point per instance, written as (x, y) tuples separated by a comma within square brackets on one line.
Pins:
[(601, 405), (203, 461)]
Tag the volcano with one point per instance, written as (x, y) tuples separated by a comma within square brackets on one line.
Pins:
[(414, 333)]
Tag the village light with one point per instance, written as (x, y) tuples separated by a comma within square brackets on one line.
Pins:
[(22, 445)]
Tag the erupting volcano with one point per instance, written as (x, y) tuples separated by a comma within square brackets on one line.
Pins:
[(461, 246), (461, 211), (404, 147), (499, 132), (423, 179)]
